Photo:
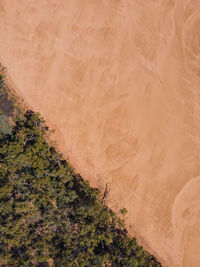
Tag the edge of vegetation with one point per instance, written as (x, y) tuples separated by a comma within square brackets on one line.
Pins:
[(49, 215)]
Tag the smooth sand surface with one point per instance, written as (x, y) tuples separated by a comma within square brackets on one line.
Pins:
[(120, 82)]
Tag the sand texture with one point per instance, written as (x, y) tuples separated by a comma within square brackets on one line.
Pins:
[(119, 80)]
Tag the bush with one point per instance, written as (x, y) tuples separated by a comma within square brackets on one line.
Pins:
[(48, 213)]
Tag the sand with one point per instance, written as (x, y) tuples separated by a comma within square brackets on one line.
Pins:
[(119, 80)]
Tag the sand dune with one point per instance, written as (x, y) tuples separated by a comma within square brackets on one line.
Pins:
[(119, 80)]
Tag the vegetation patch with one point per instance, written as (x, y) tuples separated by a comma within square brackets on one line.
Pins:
[(10, 104), (49, 215), (5, 126)]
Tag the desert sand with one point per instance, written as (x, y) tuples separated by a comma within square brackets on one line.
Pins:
[(119, 80)]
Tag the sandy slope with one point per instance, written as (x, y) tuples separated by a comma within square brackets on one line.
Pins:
[(119, 80)]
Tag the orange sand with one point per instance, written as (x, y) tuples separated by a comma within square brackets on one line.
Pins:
[(120, 80)]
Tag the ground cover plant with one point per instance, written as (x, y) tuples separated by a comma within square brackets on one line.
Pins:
[(9, 107), (48, 211)]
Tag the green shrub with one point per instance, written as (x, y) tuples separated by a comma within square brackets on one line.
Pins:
[(49, 213)]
